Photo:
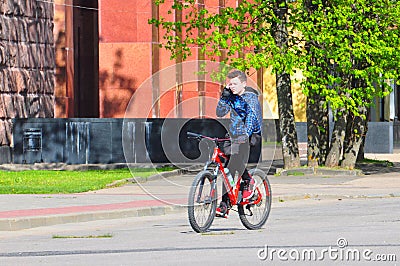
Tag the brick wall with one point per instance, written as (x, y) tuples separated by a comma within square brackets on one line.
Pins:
[(27, 62)]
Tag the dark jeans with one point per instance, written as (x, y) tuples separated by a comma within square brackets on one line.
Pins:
[(237, 163)]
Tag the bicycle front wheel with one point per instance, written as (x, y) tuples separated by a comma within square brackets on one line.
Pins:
[(254, 216), (202, 202)]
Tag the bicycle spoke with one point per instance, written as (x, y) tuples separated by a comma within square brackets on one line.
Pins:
[(202, 205), (253, 216)]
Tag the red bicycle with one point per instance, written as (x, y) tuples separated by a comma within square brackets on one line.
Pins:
[(202, 202)]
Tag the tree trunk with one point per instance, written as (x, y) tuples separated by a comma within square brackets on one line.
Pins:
[(357, 128), (338, 136), (317, 111), (290, 148), (317, 131), (361, 156)]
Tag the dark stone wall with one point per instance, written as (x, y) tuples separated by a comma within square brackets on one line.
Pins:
[(108, 140), (27, 62), (113, 140)]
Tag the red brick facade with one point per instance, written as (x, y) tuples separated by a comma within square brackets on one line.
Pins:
[(128, 55)]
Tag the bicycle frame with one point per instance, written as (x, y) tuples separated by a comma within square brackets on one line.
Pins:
[(202, 207), (233, 191)]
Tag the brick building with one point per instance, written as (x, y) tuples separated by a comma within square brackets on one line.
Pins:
[(86, 58), (106, 50)]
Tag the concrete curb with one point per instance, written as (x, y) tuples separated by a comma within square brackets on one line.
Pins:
[(332, 196), (21, 223)]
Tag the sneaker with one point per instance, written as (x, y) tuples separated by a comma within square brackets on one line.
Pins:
[(222, 210), (248, 189)]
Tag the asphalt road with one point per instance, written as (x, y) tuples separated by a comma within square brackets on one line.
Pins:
[(300, 232)]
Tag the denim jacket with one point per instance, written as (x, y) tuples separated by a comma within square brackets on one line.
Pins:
[(246, 117)]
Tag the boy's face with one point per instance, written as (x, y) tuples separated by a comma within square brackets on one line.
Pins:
[(236, 86)]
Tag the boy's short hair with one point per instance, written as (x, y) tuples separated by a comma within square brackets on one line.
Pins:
[(237, 74)]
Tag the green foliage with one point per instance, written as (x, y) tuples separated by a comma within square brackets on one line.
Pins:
[(352, 50), (244, 35), (347, 50)]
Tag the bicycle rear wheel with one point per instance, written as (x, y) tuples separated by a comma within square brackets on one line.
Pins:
[(254, 216), (202, 202)]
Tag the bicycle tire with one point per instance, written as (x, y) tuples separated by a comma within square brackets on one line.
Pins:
[(254, 216), (202, 207)]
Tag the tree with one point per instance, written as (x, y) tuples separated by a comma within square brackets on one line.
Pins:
[(356, 45), (345, 50), (317, 111), (255, 34), (287, 124)]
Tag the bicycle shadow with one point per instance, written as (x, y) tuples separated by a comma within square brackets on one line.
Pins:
[(223, 231)]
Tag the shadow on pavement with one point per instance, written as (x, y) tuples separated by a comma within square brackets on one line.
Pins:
[(366, 168), (378, 168)]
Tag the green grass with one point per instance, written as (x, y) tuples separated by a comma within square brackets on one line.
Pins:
[(54, 182), (373, 161), (295, 173)]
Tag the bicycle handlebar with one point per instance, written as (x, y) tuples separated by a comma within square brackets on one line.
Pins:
[(199, 136), (194, 135)]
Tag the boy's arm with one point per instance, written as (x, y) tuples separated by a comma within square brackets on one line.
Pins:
[(223, 107), (253, 118)]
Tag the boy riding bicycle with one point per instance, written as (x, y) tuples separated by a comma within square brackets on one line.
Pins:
[(244, 129)]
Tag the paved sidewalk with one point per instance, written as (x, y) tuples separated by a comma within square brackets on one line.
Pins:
[(164, 195)]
